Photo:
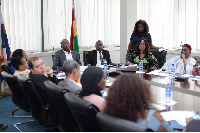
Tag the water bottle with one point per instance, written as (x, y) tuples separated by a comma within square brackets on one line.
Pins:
[(141, 66), (181, 45), (105, 67), (168, 94), (173, 71)]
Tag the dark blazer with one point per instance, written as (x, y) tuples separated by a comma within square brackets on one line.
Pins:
[(60, 58), (38, 81), (70, 86), (91, 57)]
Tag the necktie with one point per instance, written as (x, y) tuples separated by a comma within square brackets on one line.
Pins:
[(101, 57)]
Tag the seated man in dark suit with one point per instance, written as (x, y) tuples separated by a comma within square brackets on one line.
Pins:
[(39, 73), (72, 72), (65, 54), (96, 57)]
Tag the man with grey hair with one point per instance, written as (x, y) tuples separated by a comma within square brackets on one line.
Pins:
[(65, 54), (96, 57), (72, 72)]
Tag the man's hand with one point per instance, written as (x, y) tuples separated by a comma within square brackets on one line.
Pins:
[(129, 63), (49, 71), (182, 56)]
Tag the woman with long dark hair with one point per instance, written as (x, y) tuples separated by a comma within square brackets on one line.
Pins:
[(142, 53)]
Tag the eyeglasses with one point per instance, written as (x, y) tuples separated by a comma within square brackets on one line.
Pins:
[(99, 44)]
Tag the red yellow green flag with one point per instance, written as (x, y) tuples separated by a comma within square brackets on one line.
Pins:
[(74, 39)]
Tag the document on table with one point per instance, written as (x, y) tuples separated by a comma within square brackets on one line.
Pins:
[(179, 116)]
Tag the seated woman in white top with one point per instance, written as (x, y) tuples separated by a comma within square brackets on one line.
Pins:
[(93, 81), (21, 66)]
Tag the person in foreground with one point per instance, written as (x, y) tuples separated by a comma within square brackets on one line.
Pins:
[(130, 98), (96, 57), (142, 53), (39, 73), (72, 72), (21, 66), (93, 81), (141, 30), (65, 54), (183, 63)]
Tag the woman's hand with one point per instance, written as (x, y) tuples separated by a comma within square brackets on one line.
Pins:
[(128, 63)]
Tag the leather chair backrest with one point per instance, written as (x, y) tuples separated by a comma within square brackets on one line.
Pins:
[(42, 112), (193, 126), (84, 113), (109, 123), (66, 121), (6, 67), (18, 96)]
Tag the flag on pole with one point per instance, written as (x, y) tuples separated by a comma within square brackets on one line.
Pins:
[(74, 39), (5, 49)]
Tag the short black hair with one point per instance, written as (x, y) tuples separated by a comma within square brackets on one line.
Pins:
[(16, 61), (17, 52)]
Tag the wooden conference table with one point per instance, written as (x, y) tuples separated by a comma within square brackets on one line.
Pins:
[(186, 93)]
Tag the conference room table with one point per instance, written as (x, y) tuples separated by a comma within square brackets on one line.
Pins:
[(186, 92)]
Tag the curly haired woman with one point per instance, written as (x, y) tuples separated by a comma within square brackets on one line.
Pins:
[(130, 98), (141, 30)]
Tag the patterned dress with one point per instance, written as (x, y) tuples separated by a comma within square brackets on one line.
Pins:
[(148, 61)]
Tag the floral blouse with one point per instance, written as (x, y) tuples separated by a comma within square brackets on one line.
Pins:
[(148, 61)]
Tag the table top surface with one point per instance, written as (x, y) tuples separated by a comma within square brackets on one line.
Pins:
[(186, 93)]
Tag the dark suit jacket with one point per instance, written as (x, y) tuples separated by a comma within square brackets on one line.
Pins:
[(70, 86), (60, 58), (91, 57), (38, 81)]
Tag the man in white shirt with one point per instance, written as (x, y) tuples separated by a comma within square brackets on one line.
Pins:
[(64, 54), (72, 72), (96, 57), (183, 63)]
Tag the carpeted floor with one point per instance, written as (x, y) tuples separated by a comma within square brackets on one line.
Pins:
[(6, 106)]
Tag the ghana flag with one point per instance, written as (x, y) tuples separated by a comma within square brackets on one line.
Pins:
[(74, 39)]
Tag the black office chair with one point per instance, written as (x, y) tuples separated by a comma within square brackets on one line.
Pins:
[(66, 121), (193, 126), (83, 112), (109, 123), (6, 67), (85, 57), (160, 56), (18, 95), (42, 112)]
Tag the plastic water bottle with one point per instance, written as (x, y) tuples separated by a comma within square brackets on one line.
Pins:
[(105, 67), (173, 71), (181, 45), (141, 66), (168, 94)]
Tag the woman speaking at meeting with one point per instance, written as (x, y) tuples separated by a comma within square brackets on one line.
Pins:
[(141, 30), (142, 53)]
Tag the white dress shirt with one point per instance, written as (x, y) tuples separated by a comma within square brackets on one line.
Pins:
[(68, 55), (98, 58), (179, 65)]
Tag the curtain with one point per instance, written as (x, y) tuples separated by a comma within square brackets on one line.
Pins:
[(22, 23), (95, 20), (172, 21)]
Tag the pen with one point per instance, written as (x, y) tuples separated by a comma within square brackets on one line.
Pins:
[(196, 114)]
